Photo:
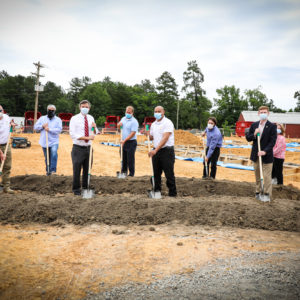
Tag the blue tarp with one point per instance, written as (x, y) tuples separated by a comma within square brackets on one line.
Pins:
[(219, 163), (294, 144), (110, 144), (237, 146), (292, 150)]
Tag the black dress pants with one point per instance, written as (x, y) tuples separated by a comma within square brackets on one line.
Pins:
[(277, 170), (164, 161), (129, 157), (80, 159), (213, 162)]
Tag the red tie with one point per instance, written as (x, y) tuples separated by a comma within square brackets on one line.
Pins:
[(86, 128)]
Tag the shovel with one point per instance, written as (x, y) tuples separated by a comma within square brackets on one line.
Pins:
[(121, 174), (48, 164), (262, 196), (88, 193), (152, 193), (205, 162), (5, 151)]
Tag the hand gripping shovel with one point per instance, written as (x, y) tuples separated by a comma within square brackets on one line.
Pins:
[(152, 193), (121, 174), (47, 158), (88, 193), (262, 196), (5, 151)]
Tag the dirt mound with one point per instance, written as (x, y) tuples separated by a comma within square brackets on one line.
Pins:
[(195, 187), (213, 203), (186, 138)]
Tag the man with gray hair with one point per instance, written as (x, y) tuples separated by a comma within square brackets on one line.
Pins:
[(53, 126)]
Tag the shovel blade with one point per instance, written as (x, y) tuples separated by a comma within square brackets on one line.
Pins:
[(121, 175), (154, 195), (87, 194), (264, 198)]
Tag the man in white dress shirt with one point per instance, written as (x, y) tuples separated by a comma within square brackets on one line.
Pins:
[(4, 134), (81, 133), (163, 154)]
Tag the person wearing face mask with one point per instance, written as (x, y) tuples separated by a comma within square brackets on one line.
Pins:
[(279, 155), (214, 143), (4, 135), (82, 134), (163, 154), (53, 125), (130, 127), (268, 136)]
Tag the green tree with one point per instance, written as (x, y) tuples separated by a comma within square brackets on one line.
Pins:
[(51, 94), (64, 104), (16, 92), (193, 78), (297, 96), (99, 98), (256, 98), (77, 86), (229, 105), (167, 94)]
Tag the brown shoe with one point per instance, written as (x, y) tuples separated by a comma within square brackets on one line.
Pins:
[(8, 191)]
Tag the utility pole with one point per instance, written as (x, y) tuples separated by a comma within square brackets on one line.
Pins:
[(37, 87), (177, 113)]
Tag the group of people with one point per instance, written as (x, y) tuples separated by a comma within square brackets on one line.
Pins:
[(83, 130)]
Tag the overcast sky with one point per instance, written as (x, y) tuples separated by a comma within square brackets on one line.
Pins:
[(246, 43)]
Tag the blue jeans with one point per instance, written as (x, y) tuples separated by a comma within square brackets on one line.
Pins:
[(52, 157)]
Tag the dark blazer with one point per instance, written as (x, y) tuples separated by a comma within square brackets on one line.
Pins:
[(267, 141)]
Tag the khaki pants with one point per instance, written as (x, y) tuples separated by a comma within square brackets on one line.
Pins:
[(6, 168), (267, 174)]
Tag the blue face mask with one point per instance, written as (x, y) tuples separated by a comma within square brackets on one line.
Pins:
[(278, 131), (263, 116), (128, 116), (84, 110), (157, 116)]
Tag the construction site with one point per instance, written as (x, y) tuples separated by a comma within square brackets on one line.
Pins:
[(121, 244)]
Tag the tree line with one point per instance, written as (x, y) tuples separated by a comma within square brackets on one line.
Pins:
[(187, 108)]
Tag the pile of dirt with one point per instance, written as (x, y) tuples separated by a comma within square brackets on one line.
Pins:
[(195, 187), (121, 202), (186, 138)]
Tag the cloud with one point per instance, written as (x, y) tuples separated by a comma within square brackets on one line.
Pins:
[(246, 43)]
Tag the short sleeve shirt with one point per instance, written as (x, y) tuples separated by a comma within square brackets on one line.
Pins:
[(129, 125), (158, 129)]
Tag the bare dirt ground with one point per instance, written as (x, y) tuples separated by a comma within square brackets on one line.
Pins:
[(54, 245)]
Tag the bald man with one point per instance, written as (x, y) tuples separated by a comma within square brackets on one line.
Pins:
[(163, 154)]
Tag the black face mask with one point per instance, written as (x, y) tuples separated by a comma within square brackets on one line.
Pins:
[(51, 114)]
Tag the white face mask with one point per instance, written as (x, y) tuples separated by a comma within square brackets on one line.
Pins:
[(84, 110), (263, 117), (1, 114), (210, 126)]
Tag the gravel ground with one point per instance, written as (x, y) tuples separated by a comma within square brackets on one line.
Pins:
[(251, 276)]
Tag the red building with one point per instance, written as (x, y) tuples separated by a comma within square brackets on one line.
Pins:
[(291, 121)]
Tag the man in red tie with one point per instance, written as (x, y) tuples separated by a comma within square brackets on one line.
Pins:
[(81, 133)]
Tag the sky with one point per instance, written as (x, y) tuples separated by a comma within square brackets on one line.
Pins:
[(249, 44)]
